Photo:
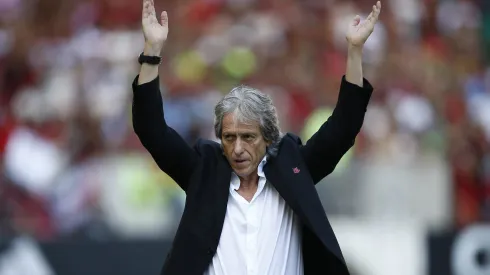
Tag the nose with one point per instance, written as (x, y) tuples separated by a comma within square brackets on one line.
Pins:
[(238, 148)]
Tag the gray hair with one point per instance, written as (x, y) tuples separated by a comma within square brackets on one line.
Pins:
[(250, 105)]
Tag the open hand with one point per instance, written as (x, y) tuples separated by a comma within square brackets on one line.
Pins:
[(155, 32), (358, 31)]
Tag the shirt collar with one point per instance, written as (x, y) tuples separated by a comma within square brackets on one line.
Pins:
[(235, 181)]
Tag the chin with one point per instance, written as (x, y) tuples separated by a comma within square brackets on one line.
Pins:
[(242, 172)]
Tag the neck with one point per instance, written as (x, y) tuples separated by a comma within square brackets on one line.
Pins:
[(250, 181)]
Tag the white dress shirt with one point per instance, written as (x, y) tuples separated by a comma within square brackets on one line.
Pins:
[(259, 237)]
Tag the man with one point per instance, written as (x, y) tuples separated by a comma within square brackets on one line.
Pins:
[(252, 206)]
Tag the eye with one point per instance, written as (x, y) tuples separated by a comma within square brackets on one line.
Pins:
[(248, 137), (228, 137)]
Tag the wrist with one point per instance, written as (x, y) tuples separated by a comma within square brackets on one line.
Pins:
[(354, 51), (151, 50)]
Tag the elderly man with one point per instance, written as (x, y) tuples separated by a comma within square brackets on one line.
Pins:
[(252, 206)]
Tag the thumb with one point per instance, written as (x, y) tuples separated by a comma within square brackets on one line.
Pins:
[(356, 20), (164, 19)]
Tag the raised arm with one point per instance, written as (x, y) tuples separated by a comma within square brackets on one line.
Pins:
[(336, 136), (172, 154)]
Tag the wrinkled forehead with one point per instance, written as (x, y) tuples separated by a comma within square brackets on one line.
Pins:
[(234, 123)]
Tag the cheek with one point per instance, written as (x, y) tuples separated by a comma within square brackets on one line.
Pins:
[(259, 150), (227, 149)]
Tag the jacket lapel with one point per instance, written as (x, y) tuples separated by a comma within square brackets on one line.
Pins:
[(292, 181), (223, 176)]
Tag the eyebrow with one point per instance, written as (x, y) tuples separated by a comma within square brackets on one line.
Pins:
[(234, 133)]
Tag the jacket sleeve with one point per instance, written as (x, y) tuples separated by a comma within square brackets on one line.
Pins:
[(171, 153), (336, 136)]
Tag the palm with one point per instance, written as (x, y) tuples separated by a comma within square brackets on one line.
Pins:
[(155, 32), (358, 31)]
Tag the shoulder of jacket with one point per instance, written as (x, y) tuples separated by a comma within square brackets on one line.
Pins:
[(292, 138), (207, 147)]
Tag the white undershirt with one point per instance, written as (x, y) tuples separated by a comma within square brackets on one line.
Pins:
[(259, 237)]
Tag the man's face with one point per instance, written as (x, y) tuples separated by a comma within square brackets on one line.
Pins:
[(243, 144)]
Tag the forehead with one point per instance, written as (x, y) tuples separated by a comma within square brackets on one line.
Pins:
[(231, 124)]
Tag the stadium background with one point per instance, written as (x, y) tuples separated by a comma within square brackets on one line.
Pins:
[(79, 195)]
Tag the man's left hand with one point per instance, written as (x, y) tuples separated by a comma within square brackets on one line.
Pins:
[(358, 31)]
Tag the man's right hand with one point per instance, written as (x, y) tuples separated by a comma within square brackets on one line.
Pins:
[(155, 32), (155, 36)]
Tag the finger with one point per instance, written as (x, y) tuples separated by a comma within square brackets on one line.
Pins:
[(378, 6), (149, 16), (369, 17), (164, 18), (148, 8), (374, 14), (371, 14), (152, 9), (356, 21)]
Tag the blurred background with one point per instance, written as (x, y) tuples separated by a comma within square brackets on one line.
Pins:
[(80, 195)]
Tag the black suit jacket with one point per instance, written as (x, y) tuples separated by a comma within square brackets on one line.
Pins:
[(204, 174)]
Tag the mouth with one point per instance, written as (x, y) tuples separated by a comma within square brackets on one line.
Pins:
[(241, 161)]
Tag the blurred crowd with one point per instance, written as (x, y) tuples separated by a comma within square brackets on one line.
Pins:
[(71, 165)]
